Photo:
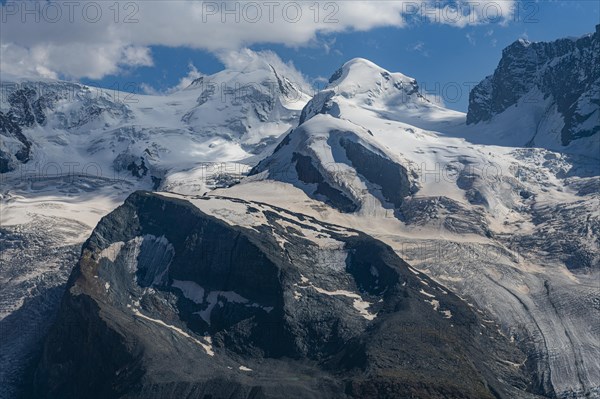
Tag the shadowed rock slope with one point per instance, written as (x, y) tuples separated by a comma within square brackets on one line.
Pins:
[(171, 300)]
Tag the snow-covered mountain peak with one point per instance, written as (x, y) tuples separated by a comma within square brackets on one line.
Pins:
[(360, 88), (251, 102), (355, 69), (264, 67), (360, 70), (234, 115), (371, 85), (234, 83)]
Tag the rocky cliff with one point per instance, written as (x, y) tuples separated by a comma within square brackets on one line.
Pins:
[(170, 299), (557, 82)]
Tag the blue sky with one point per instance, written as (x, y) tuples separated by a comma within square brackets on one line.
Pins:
[(445, 58)]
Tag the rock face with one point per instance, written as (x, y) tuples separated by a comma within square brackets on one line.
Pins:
[(560, 79), (28, 108), (338, 163), (15, 147), (215, 297)]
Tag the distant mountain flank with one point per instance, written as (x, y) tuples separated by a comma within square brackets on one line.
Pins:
[(543, 95), (232, 116)]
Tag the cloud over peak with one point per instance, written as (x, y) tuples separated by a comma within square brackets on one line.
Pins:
[(93, 39)]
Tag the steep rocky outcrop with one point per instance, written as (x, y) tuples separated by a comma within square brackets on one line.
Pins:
[(340, 164), (170, 299), (15, 148), (29, 107), (559, 79)]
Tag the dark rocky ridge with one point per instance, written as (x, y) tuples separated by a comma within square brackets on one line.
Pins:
[(566, 69), (391, 177), (316, 345), (309, 174), (9, 128), (295, 161), (321, 103)]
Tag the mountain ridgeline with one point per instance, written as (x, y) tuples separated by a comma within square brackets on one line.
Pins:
[(562, 77)]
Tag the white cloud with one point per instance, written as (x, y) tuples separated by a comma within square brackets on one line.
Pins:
[(147, 89), (321, 80), (461, 13), (136, 56), (73, 60), (244, 58), (93, 39), (328, 45), (471, 38), (419, 47), (187, 80), (23, 62), (437, 99)]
